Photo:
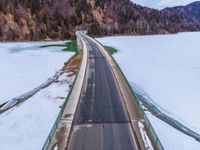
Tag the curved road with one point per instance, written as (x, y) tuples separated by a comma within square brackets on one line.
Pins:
[(101, 121), (101, 112)]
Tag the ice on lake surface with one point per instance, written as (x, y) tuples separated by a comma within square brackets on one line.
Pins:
[(24, 66), (167, 68)]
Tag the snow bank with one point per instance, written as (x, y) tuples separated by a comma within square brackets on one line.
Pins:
[(167, 67)]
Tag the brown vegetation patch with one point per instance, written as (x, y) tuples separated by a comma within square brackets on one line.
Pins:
[(59, 19), (71, 67)]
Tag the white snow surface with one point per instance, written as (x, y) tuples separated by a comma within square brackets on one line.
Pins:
[(24, 66), (161, 4), (27, 126), (171, 138), (145, 137), (167, 68)]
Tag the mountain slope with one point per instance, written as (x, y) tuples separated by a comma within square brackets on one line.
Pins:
[(191, 12), (58, 19), (161, 4)]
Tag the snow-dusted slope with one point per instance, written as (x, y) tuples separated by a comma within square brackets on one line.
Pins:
[(24, 66), (167, 68), (160, 4)]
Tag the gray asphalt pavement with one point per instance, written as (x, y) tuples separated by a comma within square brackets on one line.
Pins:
[(101, 121)]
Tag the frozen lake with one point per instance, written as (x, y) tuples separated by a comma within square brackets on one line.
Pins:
[(167, 68), (24, 66)]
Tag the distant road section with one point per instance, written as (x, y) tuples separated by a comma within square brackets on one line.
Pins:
[(106, 116)]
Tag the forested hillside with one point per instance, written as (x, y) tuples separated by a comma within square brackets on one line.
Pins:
[(58, 19), (190, 12)]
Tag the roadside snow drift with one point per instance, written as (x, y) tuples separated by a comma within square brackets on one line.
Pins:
[(167, 68)]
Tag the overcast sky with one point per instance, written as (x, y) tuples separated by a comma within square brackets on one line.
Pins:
[(160, 4)]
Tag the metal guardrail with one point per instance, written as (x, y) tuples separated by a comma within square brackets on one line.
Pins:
[(53, 130), (148, 123), (150, 128)]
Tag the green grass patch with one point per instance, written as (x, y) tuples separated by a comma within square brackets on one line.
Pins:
[(70, 46), (110, 49)]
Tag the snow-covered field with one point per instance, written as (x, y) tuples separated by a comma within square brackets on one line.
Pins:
[(160, 4), (167, 68), (24, 66), (27, 126)]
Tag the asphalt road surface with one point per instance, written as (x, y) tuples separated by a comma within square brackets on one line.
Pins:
[(101, 121)]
